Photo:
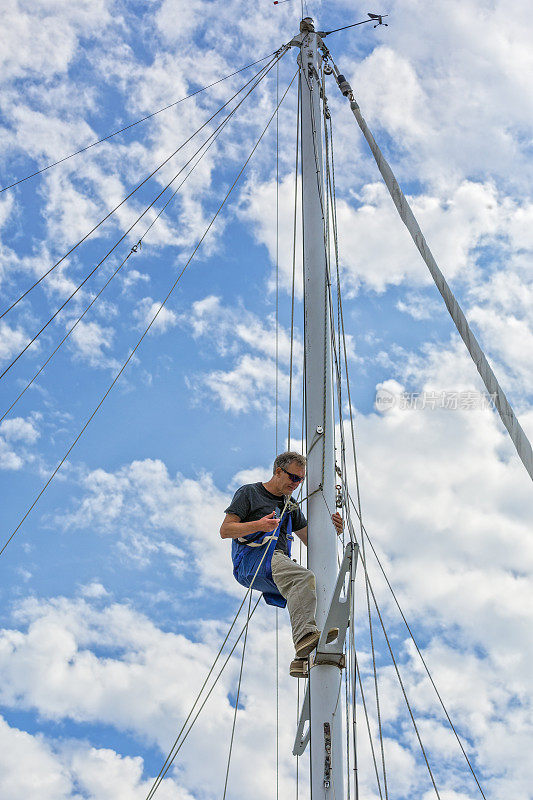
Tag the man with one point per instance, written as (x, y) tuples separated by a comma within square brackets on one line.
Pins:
[(254, 508)]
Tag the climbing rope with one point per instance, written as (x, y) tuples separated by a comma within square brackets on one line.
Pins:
[(237, 698), (276, 405), (331, 192)]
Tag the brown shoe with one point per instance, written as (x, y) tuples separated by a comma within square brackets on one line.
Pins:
[(307, 644), (299, 668)]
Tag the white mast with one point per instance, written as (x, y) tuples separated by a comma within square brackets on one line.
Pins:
[(325, 703)]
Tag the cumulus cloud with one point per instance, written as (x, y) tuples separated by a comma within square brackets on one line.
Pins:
[(12, 340), (41, 43), (156, 512), (17, 436), (146, 311), (144, 681), (94, 590), (46, 779), (61, 769), (90, 341), (250, 383)]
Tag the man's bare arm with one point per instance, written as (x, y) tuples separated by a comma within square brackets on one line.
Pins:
[(302, 534), (233, 528)]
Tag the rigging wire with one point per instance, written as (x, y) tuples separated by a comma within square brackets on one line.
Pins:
[(276, 404), (367, 581), (350, 672), (400, 681), (294, 256), (373, 18), (441, 701), (62, 306), (132, 124), (370, 737), (230, 190), (364, 533), (391, 652), (208, 676), (177, 747), (264, 69), (238, 695), (329, 305), (368, 584), (172, 755), (331, 188), (328, 141), (277, 255), (336, 369), (209, 142)]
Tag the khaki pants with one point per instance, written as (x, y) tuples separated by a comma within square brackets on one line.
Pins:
[(298, 586)]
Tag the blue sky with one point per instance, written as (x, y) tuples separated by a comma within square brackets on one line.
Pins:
[(117, 591)]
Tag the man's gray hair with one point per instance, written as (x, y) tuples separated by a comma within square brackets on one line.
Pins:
[(284, 459)]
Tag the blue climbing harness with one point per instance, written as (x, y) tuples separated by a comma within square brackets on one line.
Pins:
[(246, 554)]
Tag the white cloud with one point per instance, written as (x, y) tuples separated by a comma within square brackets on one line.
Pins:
[(146, 311), (132, 277), (38, 42), (250, 384), (419, 307), (259, 195), (453, 227), (46, 780), (19, 430), (461, 113), (61, 769), (17, 437), (509, 337), (155, 512), (6, 209), (143, 681), (90, 341), (12, 340), (94, 590), (252, 475)]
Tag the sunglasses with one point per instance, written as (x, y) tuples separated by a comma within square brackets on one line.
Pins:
[(294, 478)]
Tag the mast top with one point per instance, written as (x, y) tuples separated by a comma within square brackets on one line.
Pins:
[(307, 25)]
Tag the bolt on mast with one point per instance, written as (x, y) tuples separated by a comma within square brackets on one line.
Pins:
[(326, 739)]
